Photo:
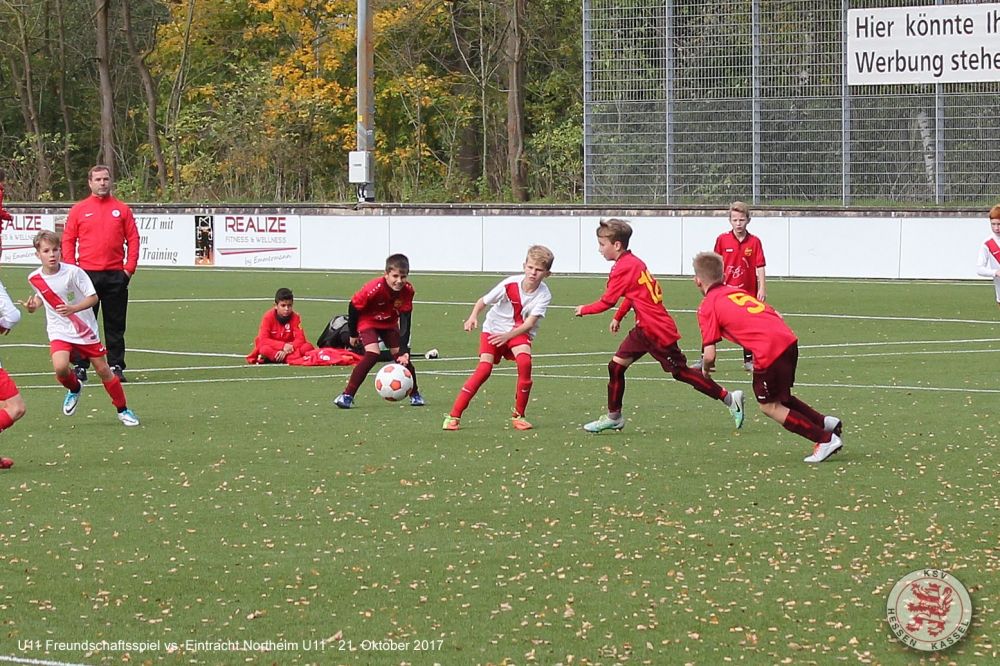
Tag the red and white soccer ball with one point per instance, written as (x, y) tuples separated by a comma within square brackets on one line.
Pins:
[(393, 382)]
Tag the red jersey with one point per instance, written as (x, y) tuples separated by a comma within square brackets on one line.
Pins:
[(97, 229), (741, 260), (630, 278), (733, 314), (273, 335), (379, 306)]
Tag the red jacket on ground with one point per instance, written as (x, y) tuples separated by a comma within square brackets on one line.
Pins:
[(96, 232)]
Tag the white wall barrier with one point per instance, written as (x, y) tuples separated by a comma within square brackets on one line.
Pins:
[(917, 247)]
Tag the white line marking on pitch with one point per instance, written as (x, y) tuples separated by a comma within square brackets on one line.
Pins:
[(36, 662), (819, 315)]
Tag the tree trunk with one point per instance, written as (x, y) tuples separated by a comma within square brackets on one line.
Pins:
[(151, 102), (63, 106), (106, 156), (515, 100), (24, 84), (176, 93)]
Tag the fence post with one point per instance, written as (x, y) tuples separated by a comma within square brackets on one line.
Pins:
[(669, 157), (845, 115), (756, 92)]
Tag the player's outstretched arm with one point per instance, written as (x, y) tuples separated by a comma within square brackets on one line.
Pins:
[(473, 321), (596, 307), (32, 304)]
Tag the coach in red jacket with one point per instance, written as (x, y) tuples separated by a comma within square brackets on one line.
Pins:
[(101, 238)]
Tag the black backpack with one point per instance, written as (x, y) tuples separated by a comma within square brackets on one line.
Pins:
[(336, 334)]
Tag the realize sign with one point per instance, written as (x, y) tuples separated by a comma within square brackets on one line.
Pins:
[(929, 44)]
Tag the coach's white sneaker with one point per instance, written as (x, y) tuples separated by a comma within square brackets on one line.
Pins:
[(823, 451), (833, 424)]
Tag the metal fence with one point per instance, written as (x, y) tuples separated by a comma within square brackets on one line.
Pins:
[(706, 101)]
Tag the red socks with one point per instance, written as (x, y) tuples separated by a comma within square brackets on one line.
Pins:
[(805, 410), (700, 382), (70, 382), (361, 371), (117, 393), (471, 387), (616, 386), (482, 373), (523, 383), (802, 426)]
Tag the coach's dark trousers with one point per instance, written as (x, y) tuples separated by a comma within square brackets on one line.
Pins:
[(112, 290)]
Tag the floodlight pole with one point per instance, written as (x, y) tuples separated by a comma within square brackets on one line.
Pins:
[(362, 164)]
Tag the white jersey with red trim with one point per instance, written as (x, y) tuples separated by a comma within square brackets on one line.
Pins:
[(987, 265), (500, 318), (70, 284), (9, 314)]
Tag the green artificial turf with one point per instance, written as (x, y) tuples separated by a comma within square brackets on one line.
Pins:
[(246, 507)]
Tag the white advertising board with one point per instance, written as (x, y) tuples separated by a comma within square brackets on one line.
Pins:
[(166, 240), (18, 235), (262, 241), (928, 44)]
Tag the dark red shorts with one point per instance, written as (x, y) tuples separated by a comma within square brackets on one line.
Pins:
[(371, 336), (637, 344), (774, 383), (94, 350), (503, 351), (8, 389)]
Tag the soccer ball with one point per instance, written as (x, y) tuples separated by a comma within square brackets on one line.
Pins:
[(393, 382)]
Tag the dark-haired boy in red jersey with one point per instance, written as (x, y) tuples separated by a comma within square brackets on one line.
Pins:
[(737, 316), (280, 338), (381, 310), (655, 332)]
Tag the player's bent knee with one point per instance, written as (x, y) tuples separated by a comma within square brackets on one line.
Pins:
[(15, 407)]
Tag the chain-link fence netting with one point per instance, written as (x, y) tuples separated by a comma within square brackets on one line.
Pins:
[(705, 101)]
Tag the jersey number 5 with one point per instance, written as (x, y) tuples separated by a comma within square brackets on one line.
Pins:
[(752, 305), (652, 285)]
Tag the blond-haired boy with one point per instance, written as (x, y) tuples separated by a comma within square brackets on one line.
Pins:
[(519, 303), (731, 313), (743, 256), (69, 298)]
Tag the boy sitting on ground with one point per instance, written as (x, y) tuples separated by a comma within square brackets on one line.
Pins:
[(280, 338)]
